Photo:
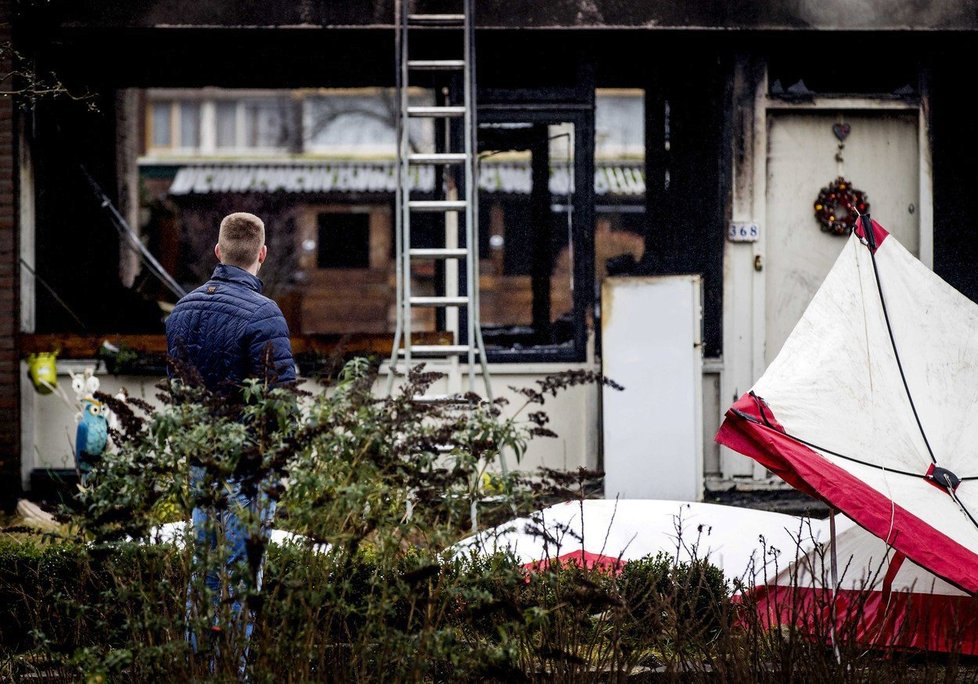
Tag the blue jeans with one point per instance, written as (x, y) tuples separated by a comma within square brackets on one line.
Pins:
[(220, 551)]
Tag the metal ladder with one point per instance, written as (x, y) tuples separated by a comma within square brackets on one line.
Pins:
[(459, 251)]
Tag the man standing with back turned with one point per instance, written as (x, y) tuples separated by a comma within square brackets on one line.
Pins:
[(227, 331)]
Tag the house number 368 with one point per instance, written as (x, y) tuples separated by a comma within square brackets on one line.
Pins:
[(740, 231)]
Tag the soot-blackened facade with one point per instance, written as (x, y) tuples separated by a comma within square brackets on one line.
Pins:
[(729, 92)]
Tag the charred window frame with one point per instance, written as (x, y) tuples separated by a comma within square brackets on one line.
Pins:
[(546, 340)]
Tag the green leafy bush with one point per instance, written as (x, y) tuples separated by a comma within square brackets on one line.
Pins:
[(377, 491), (671, 609)]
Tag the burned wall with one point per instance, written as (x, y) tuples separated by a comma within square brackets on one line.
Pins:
[(841, 15)]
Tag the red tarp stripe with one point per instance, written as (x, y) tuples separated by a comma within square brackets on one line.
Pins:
[(891, 572), (905, 620), (806, 470), (879, 232), (581, 558)]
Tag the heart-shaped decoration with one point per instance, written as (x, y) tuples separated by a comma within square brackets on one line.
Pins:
[(841, 131)]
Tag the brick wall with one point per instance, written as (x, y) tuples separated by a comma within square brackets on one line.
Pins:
[(9, 290)]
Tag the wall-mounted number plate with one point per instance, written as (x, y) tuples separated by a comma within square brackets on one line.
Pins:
[(743, 231)]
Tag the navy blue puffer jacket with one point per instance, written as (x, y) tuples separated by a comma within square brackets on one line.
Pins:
[(228, 331)]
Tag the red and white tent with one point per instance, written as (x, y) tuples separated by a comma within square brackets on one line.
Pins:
[(783, 561), (881, 599), (872, 406)]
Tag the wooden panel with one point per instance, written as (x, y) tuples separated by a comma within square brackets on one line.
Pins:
[(347, 301), (508, 300)]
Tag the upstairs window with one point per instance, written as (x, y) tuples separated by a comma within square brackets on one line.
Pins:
[(175, 125), (266, 124), (354, 123)]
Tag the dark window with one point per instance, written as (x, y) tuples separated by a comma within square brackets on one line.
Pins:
[(880, 73), (534, 204), (344, 241)]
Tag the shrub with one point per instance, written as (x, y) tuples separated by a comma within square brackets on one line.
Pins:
[(389, 484), (378, 490), (79, 603), (672, 611)]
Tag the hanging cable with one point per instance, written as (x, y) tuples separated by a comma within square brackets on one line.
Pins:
[(54, 294), (130, 239), (794, 438), (870, 238), (950, 491)]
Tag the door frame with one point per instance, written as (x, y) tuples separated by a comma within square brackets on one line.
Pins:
[(744, 293)]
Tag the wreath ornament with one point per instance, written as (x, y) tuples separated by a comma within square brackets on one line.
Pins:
[(837, 206)]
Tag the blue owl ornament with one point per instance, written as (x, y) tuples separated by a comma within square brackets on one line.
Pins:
[(91, 436)]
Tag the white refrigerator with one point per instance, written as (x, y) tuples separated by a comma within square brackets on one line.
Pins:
[(651, 343)]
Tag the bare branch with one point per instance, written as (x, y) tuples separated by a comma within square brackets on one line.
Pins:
[(24, 82)]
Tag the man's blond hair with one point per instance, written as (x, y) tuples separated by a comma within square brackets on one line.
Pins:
[(241, 238)]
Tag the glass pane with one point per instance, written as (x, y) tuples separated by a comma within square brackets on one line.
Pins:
[(344, 240), (362, 121), (797, 74), (526, 196), (619, 124), (162, 133), (227, 125), (619, 181), (190, 125), (267, 124)]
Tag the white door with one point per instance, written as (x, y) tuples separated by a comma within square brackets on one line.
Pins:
[(880, 157)]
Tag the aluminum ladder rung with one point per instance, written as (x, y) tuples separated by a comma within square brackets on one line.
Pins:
[(448, 111), (438, 350), (439, 301), (444, 399), (438, 253), (436, 19), (436, 205), (436, 64), (437, 158)]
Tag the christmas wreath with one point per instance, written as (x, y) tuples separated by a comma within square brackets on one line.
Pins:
[(837, 206)]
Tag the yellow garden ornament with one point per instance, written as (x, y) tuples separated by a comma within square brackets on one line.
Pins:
[(43, 372)]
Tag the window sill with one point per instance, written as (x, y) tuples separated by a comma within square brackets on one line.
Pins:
[(146, 354)]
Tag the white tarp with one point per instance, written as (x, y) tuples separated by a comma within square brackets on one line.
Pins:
[(746, 544)]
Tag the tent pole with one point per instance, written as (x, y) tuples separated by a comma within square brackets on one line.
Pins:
[(834, 569)]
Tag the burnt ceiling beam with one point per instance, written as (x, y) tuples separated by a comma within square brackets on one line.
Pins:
[(844, 15)]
